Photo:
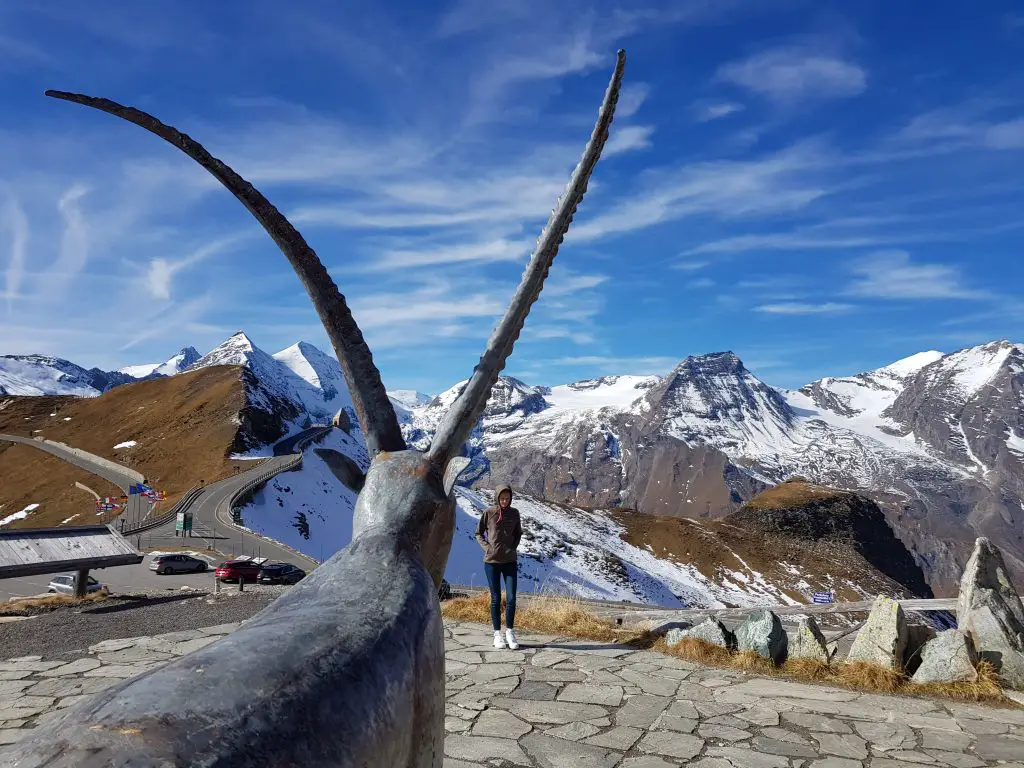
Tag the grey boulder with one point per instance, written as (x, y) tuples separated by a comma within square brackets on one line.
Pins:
[(710, 631), (990, 611), (763, 634), (883, 638), (808, 642), (949, 657)]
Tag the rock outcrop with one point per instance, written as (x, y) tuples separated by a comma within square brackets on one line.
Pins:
[(883, 639), (991, 613), (709, 631), (808, 642), (838, 520), (762, 633), (949, 657)]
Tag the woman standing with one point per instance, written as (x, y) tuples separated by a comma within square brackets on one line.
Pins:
[(498, 533)]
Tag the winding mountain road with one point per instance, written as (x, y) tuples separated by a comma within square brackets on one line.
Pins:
[(211, 511), (123, 477)]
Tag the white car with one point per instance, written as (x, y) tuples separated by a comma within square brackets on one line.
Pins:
[(65, 584)]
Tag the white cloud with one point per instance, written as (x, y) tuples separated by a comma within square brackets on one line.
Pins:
[(704, 282), (631, 97), (627, 138), (15, 221), (797, 308), (1008, 135), (74, 245), (562, 283), (161, 272), (485, 251), (550, 332), (607, 364), (706, 112), (690, 266), (791, 74), (892, 275), (782, 182)]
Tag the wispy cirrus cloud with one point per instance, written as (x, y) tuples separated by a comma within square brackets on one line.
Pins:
[(894, 275), (161, 271), (13, 219), (632, 96), (705, 112), (628, 138), (790, 74), (650, 365), (800, 308), (780, 182)]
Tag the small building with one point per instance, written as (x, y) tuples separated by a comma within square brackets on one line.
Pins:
[(35, 551)]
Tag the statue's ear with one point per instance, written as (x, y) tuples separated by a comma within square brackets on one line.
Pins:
[(451, 473)]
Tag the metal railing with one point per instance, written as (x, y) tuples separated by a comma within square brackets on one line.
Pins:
[(182, 505)]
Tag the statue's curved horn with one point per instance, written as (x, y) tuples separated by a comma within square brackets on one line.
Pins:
[(373, 408), (460, 419)]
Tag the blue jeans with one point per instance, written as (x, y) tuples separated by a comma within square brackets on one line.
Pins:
[(494, 573)]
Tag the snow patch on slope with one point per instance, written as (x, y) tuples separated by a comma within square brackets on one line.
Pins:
[(19, 515), (309, 498)]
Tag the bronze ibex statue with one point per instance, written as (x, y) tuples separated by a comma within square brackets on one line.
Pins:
[(347, 667)]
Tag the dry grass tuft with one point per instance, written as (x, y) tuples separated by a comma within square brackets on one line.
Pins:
[(561, 615), (985, 688), (749, 661), (696, 651), (807, 669), (49, 603), (550, 615), (863, 676)]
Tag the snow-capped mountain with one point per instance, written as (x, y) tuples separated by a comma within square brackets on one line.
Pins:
[(296, 386), (170, 367), (939, 439), (35, 375), (409, 398), (566, 550)]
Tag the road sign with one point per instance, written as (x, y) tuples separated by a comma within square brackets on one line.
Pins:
[(822, 597), (183, 523)]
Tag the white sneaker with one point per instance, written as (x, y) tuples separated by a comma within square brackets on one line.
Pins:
[(510, 636), (499, 641)]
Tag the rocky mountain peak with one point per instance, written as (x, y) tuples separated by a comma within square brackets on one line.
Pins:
[(715, 387)]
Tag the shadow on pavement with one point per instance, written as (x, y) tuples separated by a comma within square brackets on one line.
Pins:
[(128, 602)]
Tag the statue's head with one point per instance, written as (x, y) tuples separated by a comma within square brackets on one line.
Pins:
[(408, 493)]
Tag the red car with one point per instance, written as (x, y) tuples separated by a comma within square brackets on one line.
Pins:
[(233, 570)]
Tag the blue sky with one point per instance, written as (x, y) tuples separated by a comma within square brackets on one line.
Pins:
[(820, 187)]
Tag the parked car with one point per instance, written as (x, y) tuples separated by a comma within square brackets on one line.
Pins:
[(280, 573), (233, 570), (177, 563), (65, 584)]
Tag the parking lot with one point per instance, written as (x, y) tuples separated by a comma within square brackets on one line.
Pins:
[(122, 579)]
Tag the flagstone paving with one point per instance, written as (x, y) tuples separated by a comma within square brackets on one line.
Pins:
[(568, 703)]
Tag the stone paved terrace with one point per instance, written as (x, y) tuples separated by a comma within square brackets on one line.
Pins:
[(569, 703)]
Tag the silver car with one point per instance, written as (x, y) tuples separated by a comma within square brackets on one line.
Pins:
[(65, 584), (177, 563)]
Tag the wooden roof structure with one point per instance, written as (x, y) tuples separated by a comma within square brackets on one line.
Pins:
[(34, 551)]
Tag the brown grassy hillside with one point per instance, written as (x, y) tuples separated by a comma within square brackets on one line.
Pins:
[(715, 547), (184, 427), (28, 476)]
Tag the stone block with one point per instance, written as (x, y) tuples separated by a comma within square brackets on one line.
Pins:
[(883, 638), (990, 611), (709, 630), (807, 641), (949, 657), (762, 633)]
